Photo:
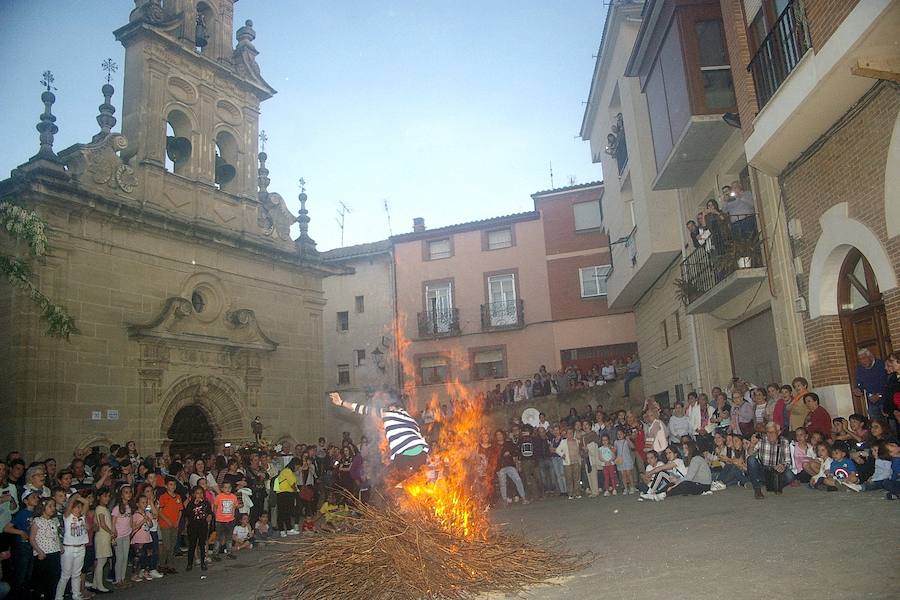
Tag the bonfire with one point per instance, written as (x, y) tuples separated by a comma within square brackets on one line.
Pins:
[(431, 539)]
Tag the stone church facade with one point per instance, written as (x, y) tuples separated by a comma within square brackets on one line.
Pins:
[(196, 310)]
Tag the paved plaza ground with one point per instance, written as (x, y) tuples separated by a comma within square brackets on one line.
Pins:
[(804, 544)]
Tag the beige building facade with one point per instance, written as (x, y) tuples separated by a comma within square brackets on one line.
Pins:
[(702, 317), (358, 322), (197, 311)]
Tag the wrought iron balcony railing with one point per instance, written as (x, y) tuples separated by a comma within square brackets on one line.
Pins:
[(437, 323), (729, 248), (780, 52), (505, 314)]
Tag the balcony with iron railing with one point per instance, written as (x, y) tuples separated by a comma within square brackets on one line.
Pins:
[(438, 323), (730, 260), (780, 52), (504, 314)]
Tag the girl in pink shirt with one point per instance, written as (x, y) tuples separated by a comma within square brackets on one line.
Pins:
[(141, 522)]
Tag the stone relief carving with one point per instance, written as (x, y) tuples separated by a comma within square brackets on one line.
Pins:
[(229, 113), (98, 164), (182, 90), (281, 218)]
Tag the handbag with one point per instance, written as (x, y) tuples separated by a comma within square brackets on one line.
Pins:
[(307, 493)]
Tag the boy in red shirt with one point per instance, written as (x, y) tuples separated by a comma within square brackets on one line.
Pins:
[(225, 507), (170, 507)]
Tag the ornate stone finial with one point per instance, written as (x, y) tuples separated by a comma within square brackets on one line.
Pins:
[(304, 242), (105, 119), (47, 126), (263, 176), (244, 56)]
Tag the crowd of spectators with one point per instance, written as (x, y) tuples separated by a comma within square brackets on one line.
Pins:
[(562, 381), (109, 520), (764, 438)]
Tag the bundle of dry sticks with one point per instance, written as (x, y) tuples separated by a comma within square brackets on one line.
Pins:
[(391, 554)]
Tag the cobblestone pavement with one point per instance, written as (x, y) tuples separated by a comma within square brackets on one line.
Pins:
[(804, 544)]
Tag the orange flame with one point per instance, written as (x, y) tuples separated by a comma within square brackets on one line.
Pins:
[(446, 488)]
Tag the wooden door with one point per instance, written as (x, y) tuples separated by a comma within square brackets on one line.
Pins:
[(863, 316)]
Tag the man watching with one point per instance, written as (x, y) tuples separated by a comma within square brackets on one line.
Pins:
[(772, 458), (871, 379), (818, 419)]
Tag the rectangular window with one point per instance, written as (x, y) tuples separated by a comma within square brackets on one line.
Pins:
[(715, 68), (501, 238), (439, 307), (360, 358), (439, 249), (677, 326), (593, 280), (665, 332), (587, 215), (433, 369), (502, 306), (343, 375), (488, 364), (343, 321), (360, 304)]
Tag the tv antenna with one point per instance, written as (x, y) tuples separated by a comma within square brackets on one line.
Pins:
[(551, 175), (342, 211), (387, 211)]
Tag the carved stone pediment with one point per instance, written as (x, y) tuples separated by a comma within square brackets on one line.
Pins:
[(275, 219), (178, 322)]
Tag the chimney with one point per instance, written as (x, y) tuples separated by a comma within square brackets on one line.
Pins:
[(418, 224)]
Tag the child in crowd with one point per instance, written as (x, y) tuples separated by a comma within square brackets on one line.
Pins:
[(199, 516), (843, 471), (141, 523), (333, 513), (244, 496), (225, 506), (309, 523), (242, 535), (262, 532), (625, 459), (608, 460)]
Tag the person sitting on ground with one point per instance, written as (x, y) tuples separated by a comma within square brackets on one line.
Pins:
[(819, 467), (242, 534), (802, 452), (653, 480), (262, 531), (696, 481), (843, 473), (673, 468), (333, 513), (771, 458), (818, 418)]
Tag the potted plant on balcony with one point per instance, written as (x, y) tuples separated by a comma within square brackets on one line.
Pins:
[(685, 290)]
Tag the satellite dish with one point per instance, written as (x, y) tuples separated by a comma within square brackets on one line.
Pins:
[(531, 416)]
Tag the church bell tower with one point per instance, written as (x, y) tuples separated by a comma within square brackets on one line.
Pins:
[(191, 103)]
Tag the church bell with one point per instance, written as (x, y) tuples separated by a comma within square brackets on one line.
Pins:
[(224, 171), (178, 149)]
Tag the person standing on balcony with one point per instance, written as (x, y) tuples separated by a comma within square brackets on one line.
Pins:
[(740, 210)]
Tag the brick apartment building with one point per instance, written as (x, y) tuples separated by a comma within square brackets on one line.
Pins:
[(491, 301), (820, 108), (795, 101)]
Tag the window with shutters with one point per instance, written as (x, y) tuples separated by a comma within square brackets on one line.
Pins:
[(439, 249), (499, 238), (433, 369), (488, 363), (360, 304), (587, 215)]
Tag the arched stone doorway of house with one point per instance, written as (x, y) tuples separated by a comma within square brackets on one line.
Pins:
[(191, 432), (204, 412), (863, 317)]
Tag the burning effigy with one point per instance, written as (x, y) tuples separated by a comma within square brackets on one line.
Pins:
[(430, 538)]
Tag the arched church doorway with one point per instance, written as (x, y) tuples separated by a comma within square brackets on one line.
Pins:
[(863, 317), (191, 432)]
